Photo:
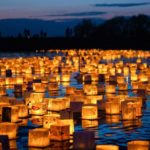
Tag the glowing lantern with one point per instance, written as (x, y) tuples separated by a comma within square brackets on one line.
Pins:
[(38, 109), (126, 71), (142, 77), (10, 114), (2, 81), (128, 113), (138, 145), (123, 86), (53, 86), (112, 107), (92, 99), (65, 77), (70, 90), (37, 120), (38, 137), (12, 144), (19, 80), (90, 89), (9, 129), (23, 111), (50, 119), (107, 147), (69, 122), (59, 132), (134, 77), (89, 123), (2, 90), (120, 79), (89, 112), (110, 89), (38, 87)]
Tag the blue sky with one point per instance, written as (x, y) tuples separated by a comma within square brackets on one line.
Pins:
[(70, 9)]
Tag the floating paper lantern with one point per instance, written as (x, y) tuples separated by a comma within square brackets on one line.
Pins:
[(9, 129), (112, 107), (53, 86), (138, 145), (128, 113), (37, 120), (92, 99), (70, 90), (90, 89), (2, 81), (134, 77), (69, 122), (50, 119), (38, 109), (19, 80), (110, 89), (65, 77), (2, 90), (59, 132), (120, 79), (38, 87), (23, 111), (89, 112), (107, 147), (122, 86), (38, 137)]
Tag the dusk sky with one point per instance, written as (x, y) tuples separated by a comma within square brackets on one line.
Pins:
[(70, 9)]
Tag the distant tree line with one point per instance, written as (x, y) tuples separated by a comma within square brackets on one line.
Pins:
[(118, 27)]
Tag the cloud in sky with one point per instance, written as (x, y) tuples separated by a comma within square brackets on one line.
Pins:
[(78, 14), (121, 4)]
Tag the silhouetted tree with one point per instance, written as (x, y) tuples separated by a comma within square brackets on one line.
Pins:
[(43, 34), (68, 32), (84, 29), (27, 33)]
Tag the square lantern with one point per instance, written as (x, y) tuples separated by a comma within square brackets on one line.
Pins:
[(9, 129), (110, 89), (38, 109), (50, 119), (107, 147), (112, 107), (23, 110), (89, 112), (128, 113), (138, 145), (90, 89), (38, 137), (37, 120), (69, 122), (59, 132)]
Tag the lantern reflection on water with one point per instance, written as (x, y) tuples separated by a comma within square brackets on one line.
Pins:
[(138, 145), (89, 123), (107, 147), (9, 129), (89, 112), (38, 137)]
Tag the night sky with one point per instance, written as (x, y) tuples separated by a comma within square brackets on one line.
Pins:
[(72, 9)]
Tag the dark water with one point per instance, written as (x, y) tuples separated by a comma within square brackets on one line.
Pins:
[(108, 131)]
